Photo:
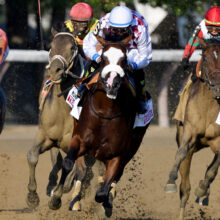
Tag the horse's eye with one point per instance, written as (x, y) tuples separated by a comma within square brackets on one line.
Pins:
[(58, 70)]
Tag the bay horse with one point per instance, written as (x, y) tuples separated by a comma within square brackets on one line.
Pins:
[(105, 126), (200, 128), (55, 122)]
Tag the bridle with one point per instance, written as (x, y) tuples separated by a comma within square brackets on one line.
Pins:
[(65, 64), (205, 79)]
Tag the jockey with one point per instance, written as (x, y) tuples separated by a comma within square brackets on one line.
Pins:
[(116, 26), (4, 48), (81, 21), (208, 29)]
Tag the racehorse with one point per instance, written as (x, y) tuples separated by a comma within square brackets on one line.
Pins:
[(2, 108), (200, 128), (105, 126), (55, 122)]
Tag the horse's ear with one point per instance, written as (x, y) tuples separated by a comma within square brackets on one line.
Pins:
[(53, 31), (127, 39), (101, 40), (202, 42)]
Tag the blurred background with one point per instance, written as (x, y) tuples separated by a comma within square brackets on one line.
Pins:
[(171, 23)]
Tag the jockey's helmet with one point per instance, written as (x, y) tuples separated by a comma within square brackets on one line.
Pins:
[(81, 15), (212, 20), (120, 20), (120, 17)]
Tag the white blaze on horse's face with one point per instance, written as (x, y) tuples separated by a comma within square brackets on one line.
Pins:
[(113, 55)]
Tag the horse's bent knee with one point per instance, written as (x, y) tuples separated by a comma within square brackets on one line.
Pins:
[(32, 157)]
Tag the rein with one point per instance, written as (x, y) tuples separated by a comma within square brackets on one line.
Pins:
[(94, 110)]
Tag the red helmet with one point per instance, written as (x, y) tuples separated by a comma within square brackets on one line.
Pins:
[(212, 16), (81, 12)]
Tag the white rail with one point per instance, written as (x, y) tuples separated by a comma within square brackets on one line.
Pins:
[(41, 56)]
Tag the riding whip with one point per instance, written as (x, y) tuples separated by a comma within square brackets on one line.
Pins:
[(40, 33)]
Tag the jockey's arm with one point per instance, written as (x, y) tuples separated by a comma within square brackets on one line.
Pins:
[(90, 42), (142, 56), (89, 46), (192, 44)]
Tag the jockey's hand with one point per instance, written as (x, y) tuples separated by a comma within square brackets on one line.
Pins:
[(130, 68), (185, 63), (98, 60), (95, 65)]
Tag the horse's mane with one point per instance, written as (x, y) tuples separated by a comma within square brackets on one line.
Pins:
[(60, 27), (213, 42)]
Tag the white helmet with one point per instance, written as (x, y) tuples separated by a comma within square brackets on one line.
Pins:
[(120, 16)]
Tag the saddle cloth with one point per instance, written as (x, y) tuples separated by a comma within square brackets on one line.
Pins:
[(141, 120)]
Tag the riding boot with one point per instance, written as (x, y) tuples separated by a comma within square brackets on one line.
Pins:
[(142, 97), (141, 93), (81, 90)]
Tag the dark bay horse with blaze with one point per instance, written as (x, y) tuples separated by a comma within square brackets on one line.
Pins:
[(105, 127), (200, 128), (55, 122)]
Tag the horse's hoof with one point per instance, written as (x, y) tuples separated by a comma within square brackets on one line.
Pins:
[(32, 200), (54, 203), (102, 212), (199, 192), (204, 201), (75, 206), (101, 197), (108, 208), (170, 188)]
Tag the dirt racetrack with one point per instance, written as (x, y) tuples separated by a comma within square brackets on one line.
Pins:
[(140, 192)]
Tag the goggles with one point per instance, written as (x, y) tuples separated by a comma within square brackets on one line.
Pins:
[(116, 30), (211, 28), (80, 27), (82, 24)]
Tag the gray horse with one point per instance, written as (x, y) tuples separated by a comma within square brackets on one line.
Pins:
[(199, 129), (55, 123)]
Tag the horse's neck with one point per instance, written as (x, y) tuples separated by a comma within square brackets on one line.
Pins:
[(201, 90)]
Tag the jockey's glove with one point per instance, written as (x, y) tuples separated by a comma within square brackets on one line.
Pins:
[(185, 63), (97, 58)]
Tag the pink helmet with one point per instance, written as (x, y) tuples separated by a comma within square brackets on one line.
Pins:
[(212, 16), (81, 12)]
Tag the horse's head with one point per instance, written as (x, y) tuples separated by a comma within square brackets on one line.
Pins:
[(114, 61), (210, 68), (62, 55)]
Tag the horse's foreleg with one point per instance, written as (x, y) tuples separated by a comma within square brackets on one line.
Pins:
[(186, 144), (112, 170), (67, 165), (32, 158), (56, 159), (185, 182), (32, 197), (202, 191), (80, 175)]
